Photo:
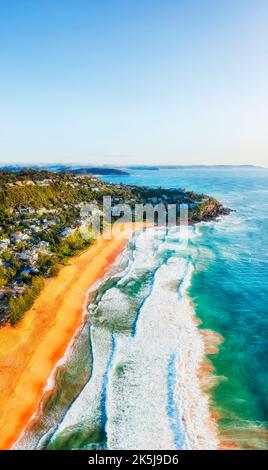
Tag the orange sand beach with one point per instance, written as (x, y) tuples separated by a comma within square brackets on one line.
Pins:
[(30, 351)]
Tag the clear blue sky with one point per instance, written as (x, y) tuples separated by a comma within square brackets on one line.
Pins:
[(134, 81)]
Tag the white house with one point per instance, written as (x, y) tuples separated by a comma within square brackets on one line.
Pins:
[(4, 244)]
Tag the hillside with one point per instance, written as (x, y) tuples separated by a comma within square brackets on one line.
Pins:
[(41, 218)]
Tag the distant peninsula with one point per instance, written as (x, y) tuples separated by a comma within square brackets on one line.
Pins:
[(95, 171), (76, 170)]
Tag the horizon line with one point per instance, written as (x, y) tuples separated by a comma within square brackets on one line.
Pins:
[(134, 166)]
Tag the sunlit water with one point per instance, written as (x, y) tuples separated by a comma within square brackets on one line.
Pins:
[(131, 381)]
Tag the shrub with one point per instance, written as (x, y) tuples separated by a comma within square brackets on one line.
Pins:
[(19, 305)]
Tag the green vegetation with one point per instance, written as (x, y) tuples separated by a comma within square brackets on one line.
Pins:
[(72, 245), (42, 189), (3, 277), (17, 306), (40, 216)]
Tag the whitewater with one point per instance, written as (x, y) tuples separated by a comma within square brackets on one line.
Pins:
[(146, 352), (137, 374)]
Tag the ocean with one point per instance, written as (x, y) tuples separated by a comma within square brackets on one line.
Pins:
[(174, 351)]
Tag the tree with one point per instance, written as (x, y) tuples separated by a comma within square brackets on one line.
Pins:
[(54, 270), (19, 305), (14, 310), (6, 255), (3, 277), (44, 262), (37, 285)]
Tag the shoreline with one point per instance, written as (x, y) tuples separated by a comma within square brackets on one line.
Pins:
[(199, 418), (108, 250), (30, 351), (197, 415)]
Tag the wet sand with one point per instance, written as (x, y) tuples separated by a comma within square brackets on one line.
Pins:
[(30, 351)]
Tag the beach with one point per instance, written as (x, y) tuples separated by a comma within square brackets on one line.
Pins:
[(187, 384), (140, 342), (30, 351)]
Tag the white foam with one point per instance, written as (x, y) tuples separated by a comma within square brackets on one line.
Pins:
[(137, 398), (86, 407), (112, 302), (137, 389)]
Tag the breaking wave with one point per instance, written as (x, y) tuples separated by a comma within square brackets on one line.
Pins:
[(144, 391)]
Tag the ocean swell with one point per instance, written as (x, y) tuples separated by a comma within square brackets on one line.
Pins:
[(144, 392), (144, 356)]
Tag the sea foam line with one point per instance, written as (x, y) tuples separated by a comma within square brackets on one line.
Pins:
[(172, 408), (104, 415)]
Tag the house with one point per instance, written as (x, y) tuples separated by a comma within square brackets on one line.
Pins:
[(25, 255), (19, 289), (29, 255), (17, 237), (34, 228), (26, 272), (4, 244), (66, 232), (25, 236), (44, 182)]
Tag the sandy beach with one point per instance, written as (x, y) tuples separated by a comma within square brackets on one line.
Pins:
[(30, 351)]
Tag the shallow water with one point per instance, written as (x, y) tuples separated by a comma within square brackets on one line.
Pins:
[(132, 380)]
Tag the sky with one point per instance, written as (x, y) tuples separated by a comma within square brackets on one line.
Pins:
[(125, 82)]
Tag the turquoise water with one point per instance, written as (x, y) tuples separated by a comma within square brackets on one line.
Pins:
[(131, 380), (230, 289)]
